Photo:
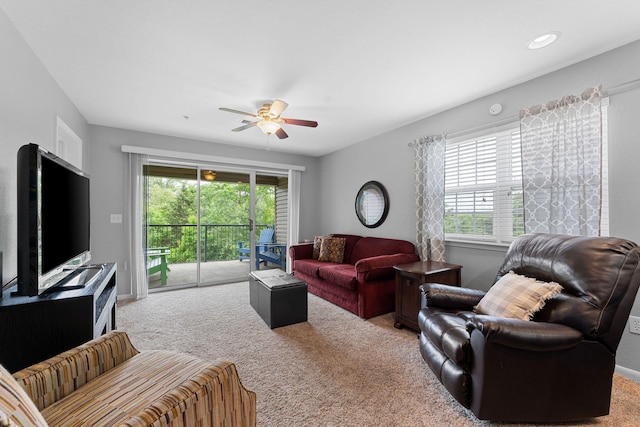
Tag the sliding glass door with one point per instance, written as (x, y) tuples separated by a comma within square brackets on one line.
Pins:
[(225, 237), (242, 224), (171, 252), (210, 225)]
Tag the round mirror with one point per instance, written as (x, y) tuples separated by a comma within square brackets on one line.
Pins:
[(372, 204)]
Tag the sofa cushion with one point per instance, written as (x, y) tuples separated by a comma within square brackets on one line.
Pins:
[(332, 249), (375, 246), (517, 297), (308, 266), (343, 275), (127, 389), (16, 408)]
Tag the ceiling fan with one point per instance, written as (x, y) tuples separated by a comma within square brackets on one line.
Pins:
[(269, 120)]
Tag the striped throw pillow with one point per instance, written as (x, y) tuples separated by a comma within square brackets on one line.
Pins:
[(517, 297), (16, 408)]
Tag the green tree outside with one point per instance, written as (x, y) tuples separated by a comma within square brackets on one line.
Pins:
[(224, 210)]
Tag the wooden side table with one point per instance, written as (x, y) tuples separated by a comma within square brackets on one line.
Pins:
[(409, 277)]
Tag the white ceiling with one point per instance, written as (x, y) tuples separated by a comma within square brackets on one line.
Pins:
[(358, 67)]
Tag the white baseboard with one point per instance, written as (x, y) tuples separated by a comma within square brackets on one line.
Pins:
[(629, 373)]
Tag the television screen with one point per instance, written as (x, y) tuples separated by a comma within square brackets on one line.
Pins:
[(65, 214), (53, 219)]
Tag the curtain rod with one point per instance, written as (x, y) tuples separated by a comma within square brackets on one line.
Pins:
[(486, 126), (614, 90), (623, 87), (181, 155)]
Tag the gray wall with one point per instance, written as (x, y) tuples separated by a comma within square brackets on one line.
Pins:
[(30, 101), (388, 159), (108, 165)]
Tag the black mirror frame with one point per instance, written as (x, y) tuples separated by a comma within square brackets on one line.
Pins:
[(385, 196)]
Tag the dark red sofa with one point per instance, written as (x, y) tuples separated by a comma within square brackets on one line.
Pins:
[(364, 283)]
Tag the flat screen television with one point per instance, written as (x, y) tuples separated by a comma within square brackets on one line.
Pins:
[(53, 220)]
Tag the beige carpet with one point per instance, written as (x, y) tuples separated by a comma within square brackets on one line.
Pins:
[(334, 370)]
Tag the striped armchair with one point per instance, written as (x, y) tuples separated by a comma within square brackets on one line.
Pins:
[(122, 386)]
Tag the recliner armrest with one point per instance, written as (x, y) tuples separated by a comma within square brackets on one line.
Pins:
[(448, 296), (524, 334)]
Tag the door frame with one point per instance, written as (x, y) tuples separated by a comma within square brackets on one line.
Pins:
[(197, 172), (158, 154)]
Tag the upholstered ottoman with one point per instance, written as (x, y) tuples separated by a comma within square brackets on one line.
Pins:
[(279, 298)]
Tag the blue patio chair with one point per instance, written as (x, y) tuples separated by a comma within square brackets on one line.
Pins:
[(266, 236), (275, 253)]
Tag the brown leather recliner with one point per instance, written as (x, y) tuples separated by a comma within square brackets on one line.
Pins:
[(559, 365)]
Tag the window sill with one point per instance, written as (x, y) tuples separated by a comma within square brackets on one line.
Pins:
[(478, 244)]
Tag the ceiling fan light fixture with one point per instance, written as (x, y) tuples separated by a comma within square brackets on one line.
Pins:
[(209, 175), (268, 126), (268, 119)]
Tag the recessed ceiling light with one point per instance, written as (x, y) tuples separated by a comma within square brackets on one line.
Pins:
[(543, 41)]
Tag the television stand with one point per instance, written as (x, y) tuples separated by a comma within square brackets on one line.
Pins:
[(33, 329), (76, 278)]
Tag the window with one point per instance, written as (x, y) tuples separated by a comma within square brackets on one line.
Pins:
[(483, 187)]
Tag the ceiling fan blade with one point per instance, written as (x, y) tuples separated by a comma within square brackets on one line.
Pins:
[(246, 122), (309, 123), (229, 110), (280, 133), (277, 107), (250, 125)]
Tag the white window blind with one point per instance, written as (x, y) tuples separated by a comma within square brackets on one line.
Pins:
[(483, 187)]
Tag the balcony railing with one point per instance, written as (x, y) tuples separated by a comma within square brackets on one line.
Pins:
[(219, 241)]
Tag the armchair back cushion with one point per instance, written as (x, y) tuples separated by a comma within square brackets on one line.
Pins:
[(581, 265)]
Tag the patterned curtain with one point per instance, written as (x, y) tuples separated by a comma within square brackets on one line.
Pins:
[(429, 175), (561, 165)]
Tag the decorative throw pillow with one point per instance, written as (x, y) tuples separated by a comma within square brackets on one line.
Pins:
[(517, 297), (316, 246), (332, 249), (16, 407)]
